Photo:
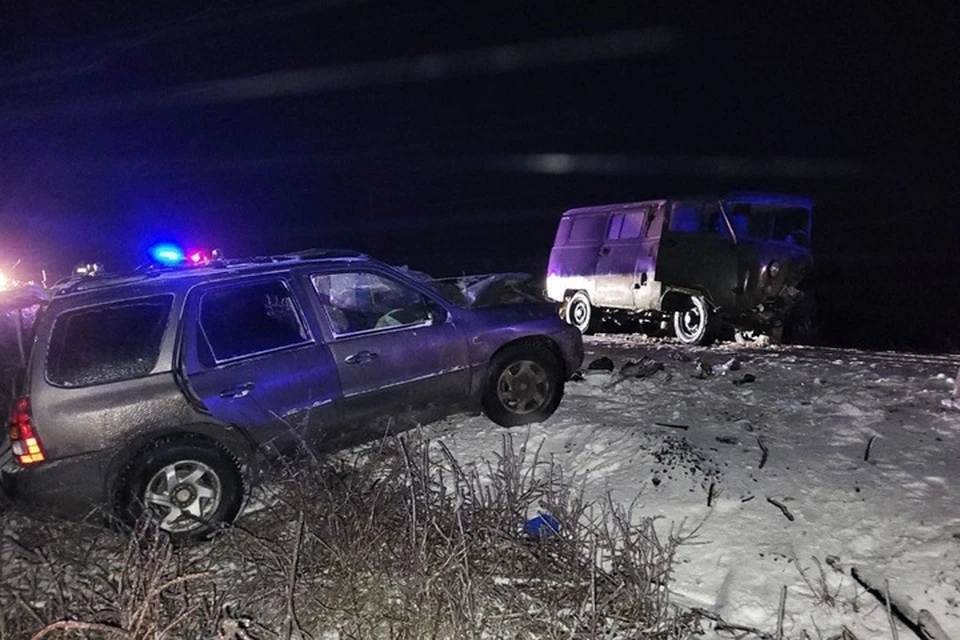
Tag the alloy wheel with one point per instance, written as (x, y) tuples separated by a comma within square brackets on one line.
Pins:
[(183, 495), (523, 387)]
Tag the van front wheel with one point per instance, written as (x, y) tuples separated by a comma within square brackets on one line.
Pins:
[(695, 324), (580, 313)]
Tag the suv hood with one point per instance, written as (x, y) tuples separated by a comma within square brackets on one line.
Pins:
[(497, 289)]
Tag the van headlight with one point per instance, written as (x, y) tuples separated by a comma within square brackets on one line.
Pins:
[(773, 269)]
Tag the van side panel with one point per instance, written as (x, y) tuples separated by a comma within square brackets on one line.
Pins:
[(624, 257), (573, 259)]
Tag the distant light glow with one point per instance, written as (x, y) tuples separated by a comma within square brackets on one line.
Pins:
[(198, 258), (4, 282), (167, 254)]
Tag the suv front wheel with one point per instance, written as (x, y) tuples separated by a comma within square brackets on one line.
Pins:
[(524, 385), (189, 486)]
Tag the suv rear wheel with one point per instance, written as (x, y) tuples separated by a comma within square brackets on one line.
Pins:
[(190, 486), (524, 385)]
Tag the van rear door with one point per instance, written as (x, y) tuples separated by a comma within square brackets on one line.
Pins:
[(621, 258), (573, 259)]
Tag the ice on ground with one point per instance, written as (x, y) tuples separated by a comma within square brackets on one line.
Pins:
[(861, 452)]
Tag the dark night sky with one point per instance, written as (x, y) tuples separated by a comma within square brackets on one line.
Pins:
[(450, 135)]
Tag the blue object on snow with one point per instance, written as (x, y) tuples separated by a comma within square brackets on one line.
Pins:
[(543, 526)]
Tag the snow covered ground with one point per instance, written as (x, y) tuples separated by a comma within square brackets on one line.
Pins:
[(895, 515)]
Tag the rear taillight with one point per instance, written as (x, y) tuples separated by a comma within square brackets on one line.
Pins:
[(23, 439)]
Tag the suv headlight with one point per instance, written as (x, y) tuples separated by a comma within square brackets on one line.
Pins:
[(773, 269)]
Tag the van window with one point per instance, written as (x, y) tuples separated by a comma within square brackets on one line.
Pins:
[(685, 217), (625, 226), (698, 217), (713, 220), (632, 225), (587, 229), (770, 222), (250, 318), (616, 222), (563, 232), (107, 343), (655, 222)]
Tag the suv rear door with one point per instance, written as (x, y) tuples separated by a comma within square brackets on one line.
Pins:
[(252, 357)]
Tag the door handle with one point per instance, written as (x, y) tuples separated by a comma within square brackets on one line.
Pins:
[(604, 251), (238, 391), (362, 357)]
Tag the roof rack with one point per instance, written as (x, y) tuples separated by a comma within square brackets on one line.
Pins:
[(85, 282), (316, 253)]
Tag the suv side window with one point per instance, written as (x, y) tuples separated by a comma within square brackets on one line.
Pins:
[(248, 319), (363, 301), (107, 343)]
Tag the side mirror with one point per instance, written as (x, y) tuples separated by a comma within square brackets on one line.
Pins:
[(438, 313), (798, 236)]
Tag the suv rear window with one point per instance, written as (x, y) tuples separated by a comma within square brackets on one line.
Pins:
[(250, 318), (107, 343)]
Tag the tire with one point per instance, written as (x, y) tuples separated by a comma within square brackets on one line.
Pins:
[(524, 385), (697, 324), (580, 313), (190, 485)]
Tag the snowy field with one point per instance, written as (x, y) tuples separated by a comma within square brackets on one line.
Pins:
[(817, 504)]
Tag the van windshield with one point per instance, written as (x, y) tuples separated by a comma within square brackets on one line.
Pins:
[(778, 223)]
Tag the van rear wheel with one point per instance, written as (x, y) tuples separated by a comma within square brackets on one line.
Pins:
[(580, 313), (696, 324)]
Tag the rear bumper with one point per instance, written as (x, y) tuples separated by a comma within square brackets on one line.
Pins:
[(73, 487)]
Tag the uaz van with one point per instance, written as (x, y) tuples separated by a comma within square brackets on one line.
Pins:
[(702, 262)]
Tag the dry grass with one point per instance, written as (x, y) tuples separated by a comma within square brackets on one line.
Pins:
[(398, 541)]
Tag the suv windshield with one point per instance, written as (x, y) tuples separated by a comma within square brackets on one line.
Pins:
[(778, 223)]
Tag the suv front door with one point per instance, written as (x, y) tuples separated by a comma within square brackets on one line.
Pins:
[(400, 356), (697, 251), (252, 358)]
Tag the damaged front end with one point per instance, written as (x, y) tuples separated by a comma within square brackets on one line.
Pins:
[(778, 300), (487, 290)]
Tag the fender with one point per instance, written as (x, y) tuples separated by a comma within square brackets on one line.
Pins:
[(234, 440)]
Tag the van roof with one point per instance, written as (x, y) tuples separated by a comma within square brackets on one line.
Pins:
[(607, 208), (752, 197)]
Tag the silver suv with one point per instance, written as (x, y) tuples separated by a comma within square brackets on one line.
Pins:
[(164, 389)]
